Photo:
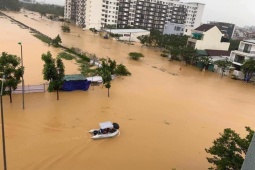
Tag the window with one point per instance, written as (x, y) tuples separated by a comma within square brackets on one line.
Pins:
[(247, 48), (176, 28)]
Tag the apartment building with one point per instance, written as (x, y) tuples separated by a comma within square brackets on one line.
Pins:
[(92, 13), (146, 14), (28, 1)]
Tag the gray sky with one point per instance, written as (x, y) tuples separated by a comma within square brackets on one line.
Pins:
[(239, 12)]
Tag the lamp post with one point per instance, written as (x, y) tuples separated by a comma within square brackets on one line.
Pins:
[(23, 102), (2, 121)]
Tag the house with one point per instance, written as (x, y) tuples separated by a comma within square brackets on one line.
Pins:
[(208, 37), (246, 50), (214, 55)]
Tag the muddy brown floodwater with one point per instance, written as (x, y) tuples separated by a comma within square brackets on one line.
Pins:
[(167, 116)]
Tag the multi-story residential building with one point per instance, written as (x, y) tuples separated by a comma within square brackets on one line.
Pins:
[(207, 37), (226, 28), (246, 50), (146, 14), (28, 1), (92, 14)]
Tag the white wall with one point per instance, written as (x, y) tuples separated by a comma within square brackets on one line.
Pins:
[(211, 40), (170, 29)]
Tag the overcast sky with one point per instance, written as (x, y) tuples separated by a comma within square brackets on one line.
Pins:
[(239, 12)]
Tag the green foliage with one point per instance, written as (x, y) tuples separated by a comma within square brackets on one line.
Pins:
[(66, 56), (205, 60), (248, 69), (157, 39), (56, 41), (174, 51), (65, 28), (43, 38), (13, 5), (44, 8), (228, 150), (11, 67), (234, 44), (188, 54), (53, 71), (223, 63), (135, 55), (109, 68), (94, 30), (121, 70)]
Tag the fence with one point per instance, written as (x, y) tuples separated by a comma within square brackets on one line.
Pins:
[(30, 89)]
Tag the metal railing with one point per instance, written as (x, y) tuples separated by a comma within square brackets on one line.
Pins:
[(31, 89)]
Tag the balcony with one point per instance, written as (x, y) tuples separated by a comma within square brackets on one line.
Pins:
[(247, 52)]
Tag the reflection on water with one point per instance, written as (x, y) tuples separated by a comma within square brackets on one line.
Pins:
[(167, 115)]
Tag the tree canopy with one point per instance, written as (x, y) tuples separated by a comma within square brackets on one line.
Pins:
[(10, 5), (248, 69), (229, 149), (11, 67), (44, 8), (53, 71)]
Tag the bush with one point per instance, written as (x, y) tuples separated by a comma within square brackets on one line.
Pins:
[(65, 28), (135, 55), (163, 55), (121, 70)]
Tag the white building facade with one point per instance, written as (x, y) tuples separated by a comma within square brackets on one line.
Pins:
[(147, 14)]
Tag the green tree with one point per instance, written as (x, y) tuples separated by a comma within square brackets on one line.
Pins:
[(174, 51), (94, 30), (53, 71), (229, 149), (10, 5), (234, 44), (44, 8), (121, 70), (248, 69), (135, 55), (56, 41), (188, 54), (205, 60), (65, 28), (10, 66), (105, 72), (223, 64)]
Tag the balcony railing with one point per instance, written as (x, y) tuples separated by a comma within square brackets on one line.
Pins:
[(246, 51)]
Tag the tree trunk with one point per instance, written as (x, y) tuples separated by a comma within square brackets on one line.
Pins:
[(108, 92), (10, 97), (57, 95)]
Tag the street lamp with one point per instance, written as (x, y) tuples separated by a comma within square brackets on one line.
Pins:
[(23, 102), (2, 120)]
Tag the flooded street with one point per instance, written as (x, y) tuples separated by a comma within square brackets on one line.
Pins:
[(167, 116)]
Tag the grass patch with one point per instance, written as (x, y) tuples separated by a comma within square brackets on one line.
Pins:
[(43, 38)]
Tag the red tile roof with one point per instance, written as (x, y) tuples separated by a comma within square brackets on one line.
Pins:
[(204, 27), (218, 52)]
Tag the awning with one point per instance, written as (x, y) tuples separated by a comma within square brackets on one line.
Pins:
[(105, 125), (202, 53)]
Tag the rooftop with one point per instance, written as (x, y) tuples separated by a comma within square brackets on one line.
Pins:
[(204, 27), (119, 31)]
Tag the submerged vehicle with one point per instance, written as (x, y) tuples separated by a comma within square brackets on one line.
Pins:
[(107, 130)]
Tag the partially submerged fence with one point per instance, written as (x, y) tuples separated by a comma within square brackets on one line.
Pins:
[(31, 89)]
